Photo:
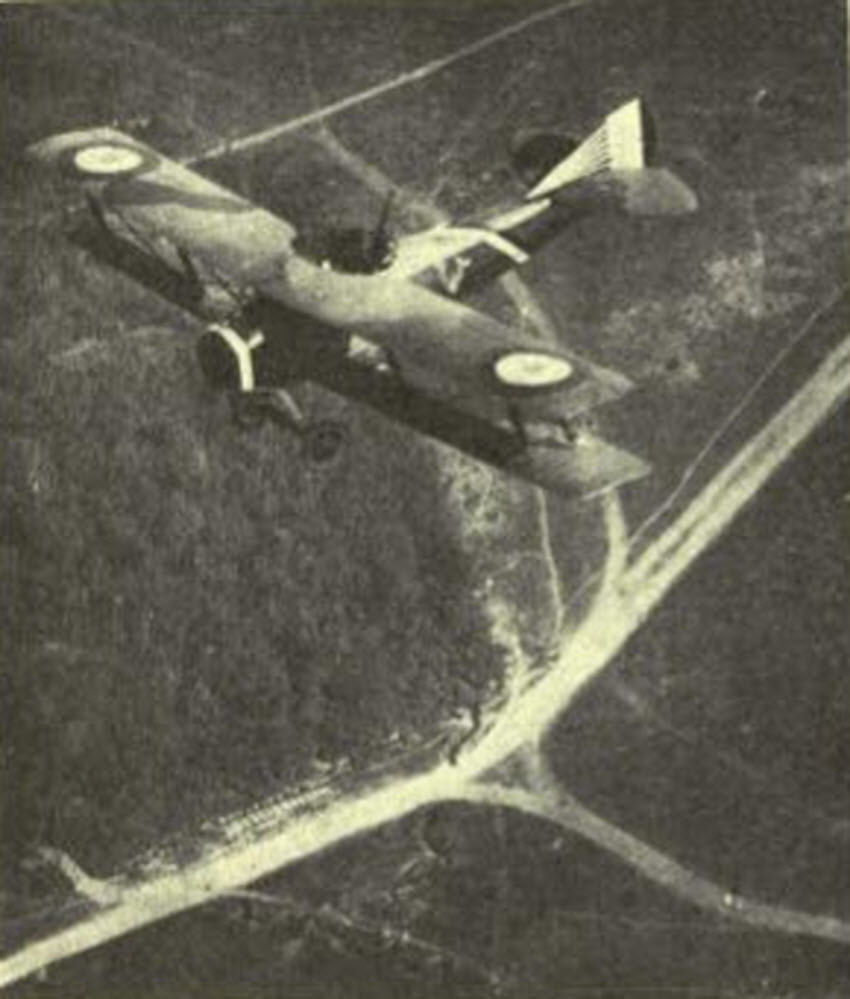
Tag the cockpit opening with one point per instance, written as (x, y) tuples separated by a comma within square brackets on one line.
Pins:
[(358, 250), (353, 249)]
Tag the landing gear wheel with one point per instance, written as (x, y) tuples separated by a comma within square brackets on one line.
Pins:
[(322, 441), (247, 413)]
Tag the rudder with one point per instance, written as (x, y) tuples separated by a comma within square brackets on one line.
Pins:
[(619, 154)]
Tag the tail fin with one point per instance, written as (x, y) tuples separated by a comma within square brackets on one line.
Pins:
[(619, 151)]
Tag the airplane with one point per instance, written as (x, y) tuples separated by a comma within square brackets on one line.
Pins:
[(379, 319)]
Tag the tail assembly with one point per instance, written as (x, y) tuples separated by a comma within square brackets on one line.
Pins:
[(618, 155)]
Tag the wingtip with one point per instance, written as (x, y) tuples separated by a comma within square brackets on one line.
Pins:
[(591, 467), (51, 149)]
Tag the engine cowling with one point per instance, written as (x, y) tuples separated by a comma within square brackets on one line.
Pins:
[(226, 358)]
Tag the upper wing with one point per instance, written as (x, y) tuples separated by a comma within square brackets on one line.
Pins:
[(466, 378), (167, 209), (443, 347)]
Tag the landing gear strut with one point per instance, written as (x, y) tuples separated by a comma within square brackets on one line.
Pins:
[(575, 427)]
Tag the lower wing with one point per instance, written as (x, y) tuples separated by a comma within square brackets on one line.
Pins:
[(576, 464), (589, 467)]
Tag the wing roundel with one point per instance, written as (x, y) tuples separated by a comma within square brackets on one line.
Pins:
[(105, 160), (96, 155), (526, 370)]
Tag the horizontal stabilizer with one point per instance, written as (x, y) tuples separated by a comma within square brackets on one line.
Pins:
[(654, 191), (617, 158)]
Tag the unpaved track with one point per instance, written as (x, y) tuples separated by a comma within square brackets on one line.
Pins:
[(571, 815), (402, 80)]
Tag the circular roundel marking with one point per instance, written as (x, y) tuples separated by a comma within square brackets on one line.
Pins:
[(529, 369), (107, 159)]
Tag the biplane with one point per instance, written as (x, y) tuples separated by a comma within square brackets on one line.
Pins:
[(380, 319)]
